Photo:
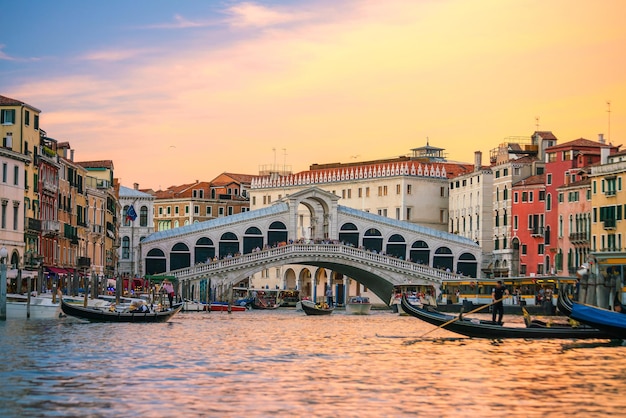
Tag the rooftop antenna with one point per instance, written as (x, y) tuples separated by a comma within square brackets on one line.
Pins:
[(608, 103), (537, 123), (274, 149), (284, 160)]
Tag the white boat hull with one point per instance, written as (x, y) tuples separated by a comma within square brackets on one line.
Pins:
[(40, 308), (358, 308)]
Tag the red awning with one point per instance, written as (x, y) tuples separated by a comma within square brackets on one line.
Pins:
[(57, 270)]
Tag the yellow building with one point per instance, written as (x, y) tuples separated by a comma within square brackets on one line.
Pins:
[(20, 133), (607, 261)]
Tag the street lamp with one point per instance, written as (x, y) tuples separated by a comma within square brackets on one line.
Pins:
[(3, 283)]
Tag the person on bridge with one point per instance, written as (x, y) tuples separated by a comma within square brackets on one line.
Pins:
[(329, 296)]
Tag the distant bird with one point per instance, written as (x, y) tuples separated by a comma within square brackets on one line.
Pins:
[(355, 156), (172, 146)]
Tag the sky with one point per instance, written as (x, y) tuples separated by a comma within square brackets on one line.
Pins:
[(178, 91)]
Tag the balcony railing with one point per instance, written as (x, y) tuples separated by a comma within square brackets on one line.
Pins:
[(84, 262), (33, 224), (49, 227), (578, 237), (537, 231), (609, 224)]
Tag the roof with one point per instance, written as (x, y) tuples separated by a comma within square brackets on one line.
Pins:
[(545, 134), (580, 142), (586, 182), (276, 208), (96, 164), (129, 192), (7, 101), (538, 179)]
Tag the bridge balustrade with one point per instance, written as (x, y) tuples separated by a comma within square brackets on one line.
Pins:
[(286, 252)]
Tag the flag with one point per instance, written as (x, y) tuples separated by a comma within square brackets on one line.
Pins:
[(131, 215)]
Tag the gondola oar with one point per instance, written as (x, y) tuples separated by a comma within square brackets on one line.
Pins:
[(480, 308)]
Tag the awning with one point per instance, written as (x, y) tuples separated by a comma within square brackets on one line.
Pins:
[(56, 270)]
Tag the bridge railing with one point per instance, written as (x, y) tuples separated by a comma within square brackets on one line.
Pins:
[(286, 251)]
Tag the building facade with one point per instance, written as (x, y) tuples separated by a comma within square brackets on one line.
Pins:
[(133, 231)]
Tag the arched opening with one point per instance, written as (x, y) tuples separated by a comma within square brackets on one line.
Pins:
[(373, 240), (467, 265), (155, 261), (229, 245), (276, 233), (443, 259), (420, 253), (180, 256), (349, 234), (252, 239), (396, 246), (204, 250)]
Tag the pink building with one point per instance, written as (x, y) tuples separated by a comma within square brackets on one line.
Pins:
[(527, 211), (574, 226), (565, 164)]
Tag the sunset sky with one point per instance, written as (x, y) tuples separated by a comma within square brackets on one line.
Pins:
[(178, 91)]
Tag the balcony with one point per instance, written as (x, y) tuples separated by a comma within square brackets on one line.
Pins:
[(83, 262), (579, 237), (96, 229), (33, 224), (609, 224), (50, 228), (609, 193), (537, 231)]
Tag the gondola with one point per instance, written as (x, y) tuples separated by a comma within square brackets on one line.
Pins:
[(488, 329), (611, 322), (564, 303), (103, 315), (310, 308)]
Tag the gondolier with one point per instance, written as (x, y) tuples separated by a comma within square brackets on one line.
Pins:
[(497, 295)]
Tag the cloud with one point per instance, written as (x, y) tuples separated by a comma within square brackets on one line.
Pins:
[(4, 56), (181, 22), (112, 55), (250, 14)]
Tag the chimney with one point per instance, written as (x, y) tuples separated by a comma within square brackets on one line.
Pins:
[(601, 138), (604, 155), (478, 160), (136, 186), (71, 155)]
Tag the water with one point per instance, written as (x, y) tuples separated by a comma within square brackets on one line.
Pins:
[(284, 363)]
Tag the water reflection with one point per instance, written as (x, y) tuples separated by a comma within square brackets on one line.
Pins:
[(283, 363)]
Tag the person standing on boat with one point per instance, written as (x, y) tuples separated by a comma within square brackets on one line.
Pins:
[(169, 289), (329, 296), (497, 295)]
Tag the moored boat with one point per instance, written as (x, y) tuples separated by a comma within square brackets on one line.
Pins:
[(611, 322), (95, 314), (564, 303), (40, 308), (358, 305), (311, 308), (487, 329), (224, 307)]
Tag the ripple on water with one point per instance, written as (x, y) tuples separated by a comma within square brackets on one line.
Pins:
[(280, 363)]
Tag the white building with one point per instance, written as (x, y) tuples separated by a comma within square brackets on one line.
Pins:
[(132, 232), (471, 207), (412, 188)]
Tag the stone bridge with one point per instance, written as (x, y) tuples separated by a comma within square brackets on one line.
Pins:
[(373, 250)]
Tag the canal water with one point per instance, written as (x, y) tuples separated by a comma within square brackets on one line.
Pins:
[(285, 364)]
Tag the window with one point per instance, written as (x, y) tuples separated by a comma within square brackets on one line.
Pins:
[(408, 214), (196, 210), (176, 210), (367, 192), (360, 192), (515, 197), (230, 210), (15, 216), (540, 248), (7, 116), (398, 189), (4, 172), (524, 196), (220, 211), (524, 249), (542, 195), (515, 222), (548, 179), (27, 118), (398, 213), (125, 248), (143, 216), (36, 122), (505, 172), (408, 190)]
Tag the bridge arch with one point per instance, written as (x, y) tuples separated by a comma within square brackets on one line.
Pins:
[(204, 250), (229, 245), (396, 246), (349, 233), (420, 253)]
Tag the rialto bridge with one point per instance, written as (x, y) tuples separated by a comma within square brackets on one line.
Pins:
[(337, 243)]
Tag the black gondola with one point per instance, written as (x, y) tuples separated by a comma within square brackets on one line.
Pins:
[(103, 315), (487, 329), (310, 308), (564, 303)]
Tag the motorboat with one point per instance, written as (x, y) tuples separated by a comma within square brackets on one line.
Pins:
[(311, 308), (358, 305), (488, 329), (18, 307)]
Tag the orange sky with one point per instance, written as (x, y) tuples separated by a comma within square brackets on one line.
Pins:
[(328, 81)]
